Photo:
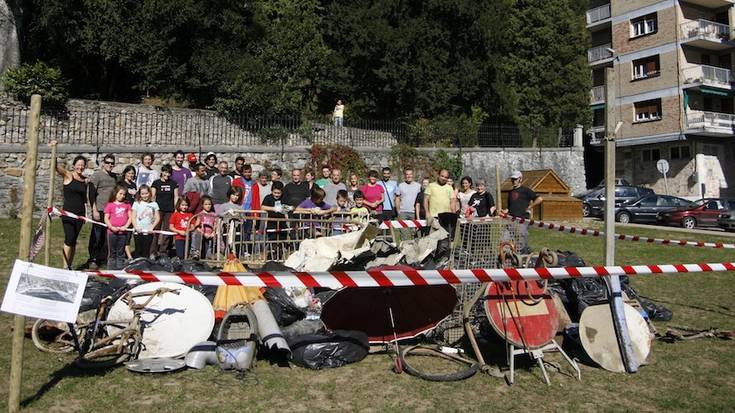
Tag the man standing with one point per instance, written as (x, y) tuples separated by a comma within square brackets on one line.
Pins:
[(146, 175), (276, 174), (438, 200), (326, 173), (103, 181), (219, 185), (250, 195), (521, 201), (179, 174), (333, 186), (210, 162), (389, 203), (239, 164), (264, 185), (406, 195), (295, 191), (196, 187), (339, 113)]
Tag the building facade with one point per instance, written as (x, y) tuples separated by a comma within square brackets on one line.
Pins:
[(673, 62)]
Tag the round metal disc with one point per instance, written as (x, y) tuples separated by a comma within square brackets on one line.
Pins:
[(600, 342)]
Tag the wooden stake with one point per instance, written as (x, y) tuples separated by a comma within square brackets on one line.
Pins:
[(26, 229), (49, 204), (498, 192)]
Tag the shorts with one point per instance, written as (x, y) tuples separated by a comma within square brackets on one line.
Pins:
[(72, 228)]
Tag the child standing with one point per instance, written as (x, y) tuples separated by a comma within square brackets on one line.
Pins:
[(145, 219), (359, 212), (165, 193), (117, 218), (204, 235), (180, 221)]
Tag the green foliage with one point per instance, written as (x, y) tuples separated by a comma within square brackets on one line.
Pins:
[(545, 71), (338, 156), (448, 130), (442, 160), (38, 78)]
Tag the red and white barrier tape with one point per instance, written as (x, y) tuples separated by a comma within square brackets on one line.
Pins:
[(396, 278), (400, 224), (621, 237), (61, 213)]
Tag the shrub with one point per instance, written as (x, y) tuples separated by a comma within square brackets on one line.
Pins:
[(338, 156), (37, 78), (453, 164)]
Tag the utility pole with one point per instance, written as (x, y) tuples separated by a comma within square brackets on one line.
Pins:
[(612, 125)]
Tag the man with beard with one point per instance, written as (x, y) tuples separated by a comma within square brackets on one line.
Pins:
[(179, 174), (102, 182)]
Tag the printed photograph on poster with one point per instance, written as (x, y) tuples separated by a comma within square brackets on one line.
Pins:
[(44, 292)]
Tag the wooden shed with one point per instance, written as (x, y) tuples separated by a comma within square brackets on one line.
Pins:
[(559, 204)]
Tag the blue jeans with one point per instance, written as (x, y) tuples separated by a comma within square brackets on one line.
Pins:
[(116, 250), (338, 121)]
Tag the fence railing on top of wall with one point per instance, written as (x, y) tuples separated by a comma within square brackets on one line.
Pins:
[(149, 126)]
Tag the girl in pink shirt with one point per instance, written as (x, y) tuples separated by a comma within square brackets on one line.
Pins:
[(118, 218)]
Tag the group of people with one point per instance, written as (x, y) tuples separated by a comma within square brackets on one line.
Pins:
[(147, 204)]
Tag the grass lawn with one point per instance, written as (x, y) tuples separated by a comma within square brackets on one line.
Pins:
[(686, 376)]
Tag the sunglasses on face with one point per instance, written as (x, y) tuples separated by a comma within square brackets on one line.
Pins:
[(109, 163)]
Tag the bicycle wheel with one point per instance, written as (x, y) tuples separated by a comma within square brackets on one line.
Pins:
[(110, 355), (53, 336), (431, 364)]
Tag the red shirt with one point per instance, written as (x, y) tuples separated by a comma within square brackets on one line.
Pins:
[(180, 221), (372, 194)]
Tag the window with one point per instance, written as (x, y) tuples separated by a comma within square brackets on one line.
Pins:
[(651, 155), (679, 152), (643, 25), (649, 201), (646, 67), (648, 110)]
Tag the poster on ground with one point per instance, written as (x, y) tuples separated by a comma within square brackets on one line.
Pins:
[(44, 292)]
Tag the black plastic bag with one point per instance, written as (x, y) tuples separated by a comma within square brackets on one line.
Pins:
[(95, 290), (329, 350), (285, 311)]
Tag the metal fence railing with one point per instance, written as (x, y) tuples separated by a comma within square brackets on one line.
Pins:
[(705, 29), (113, 126), (598, 14)]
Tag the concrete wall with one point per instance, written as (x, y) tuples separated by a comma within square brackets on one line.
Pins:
[(478, 163)]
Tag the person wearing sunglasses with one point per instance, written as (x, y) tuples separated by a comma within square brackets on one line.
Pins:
[(102, 183)]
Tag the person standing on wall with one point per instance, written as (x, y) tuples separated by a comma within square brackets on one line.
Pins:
[(406, 195), (76, 201), (146, 175), (521, 200), (389, 203), (102, 183), (339, 113), (179, 173), (165, 193), (439, 201)]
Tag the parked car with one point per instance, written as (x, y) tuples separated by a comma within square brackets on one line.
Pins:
[(593, 201), (726, 221), (703, 213), (646, 209)]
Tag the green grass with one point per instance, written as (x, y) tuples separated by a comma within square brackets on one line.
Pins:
[(687, 376)]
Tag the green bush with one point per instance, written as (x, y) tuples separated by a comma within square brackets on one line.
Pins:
[(453, 164), (38, 78)]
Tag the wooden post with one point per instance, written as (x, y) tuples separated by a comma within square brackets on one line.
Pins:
[(49, 204), (26, 228)]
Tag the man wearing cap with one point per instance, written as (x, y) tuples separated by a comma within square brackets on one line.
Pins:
[(521, 201), (179, 174)]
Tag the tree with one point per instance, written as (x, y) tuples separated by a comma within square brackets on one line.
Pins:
[(545, 70)]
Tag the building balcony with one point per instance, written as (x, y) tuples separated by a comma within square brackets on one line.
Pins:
[(706, 34), (710, 4), (704, 75), (599, 17), (597, 134), (597, 95), (710, 123), (600, 54)]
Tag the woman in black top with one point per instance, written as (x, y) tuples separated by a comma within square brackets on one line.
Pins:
[(128, 181), (76, 201)]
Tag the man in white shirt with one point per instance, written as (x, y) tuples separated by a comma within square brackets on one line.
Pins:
[(406, 195)]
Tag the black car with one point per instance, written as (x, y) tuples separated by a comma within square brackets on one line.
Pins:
[(594, 200), (646, 209)]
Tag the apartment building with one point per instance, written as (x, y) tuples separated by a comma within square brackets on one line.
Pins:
[(673, 61)]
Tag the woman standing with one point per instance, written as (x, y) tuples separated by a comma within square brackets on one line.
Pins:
[(464, 194), (353, 185), (76, 201), (374, 193), (128, 181), (310, 180)]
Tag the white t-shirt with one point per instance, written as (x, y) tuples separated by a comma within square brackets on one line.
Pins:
[(464, 200), (145, 176), (339, 111), (145, 214)]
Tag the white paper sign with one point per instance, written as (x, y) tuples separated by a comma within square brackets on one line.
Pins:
[(44, 292)]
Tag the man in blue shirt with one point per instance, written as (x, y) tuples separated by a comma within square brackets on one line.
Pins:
[(389, 201)]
